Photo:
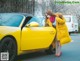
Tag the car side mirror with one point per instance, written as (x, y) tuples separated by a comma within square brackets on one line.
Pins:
[(32, 24)]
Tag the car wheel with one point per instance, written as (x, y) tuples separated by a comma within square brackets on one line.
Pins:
[(9, 45), (51, 50)]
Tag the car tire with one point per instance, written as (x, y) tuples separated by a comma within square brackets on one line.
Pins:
[(51, 50), (9, 45)]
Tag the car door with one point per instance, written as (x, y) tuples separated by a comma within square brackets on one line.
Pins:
[(75, 21), (36, 37)]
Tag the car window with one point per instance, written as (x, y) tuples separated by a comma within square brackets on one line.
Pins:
[(39, 20), (68, 19), (75, 19), (11, 20)]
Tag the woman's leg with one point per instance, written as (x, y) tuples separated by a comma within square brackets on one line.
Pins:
[(57, 45), (58, 49)]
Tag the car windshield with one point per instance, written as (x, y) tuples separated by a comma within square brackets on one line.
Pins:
[(10, 20), (40, 20)]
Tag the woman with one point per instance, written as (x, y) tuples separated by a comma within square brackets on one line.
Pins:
[(62, 32), (62, 35), (50, 18)]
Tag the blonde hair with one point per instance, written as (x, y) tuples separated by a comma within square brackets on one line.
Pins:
[(59, 15)]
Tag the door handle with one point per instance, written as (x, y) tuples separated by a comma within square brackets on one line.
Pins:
[(51, 32)]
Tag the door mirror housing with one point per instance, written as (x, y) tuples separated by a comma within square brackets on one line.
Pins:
[(32, 24)]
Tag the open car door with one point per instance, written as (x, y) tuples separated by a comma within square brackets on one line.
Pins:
[(37, 37)]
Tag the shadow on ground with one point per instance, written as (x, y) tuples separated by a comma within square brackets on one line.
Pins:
[(30, 55)]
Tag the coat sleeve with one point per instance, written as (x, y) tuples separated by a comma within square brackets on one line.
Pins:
[(60, 21), (49, 22)]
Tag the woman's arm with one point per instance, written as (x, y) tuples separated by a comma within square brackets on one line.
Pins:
[(60, 21), (49, 22)]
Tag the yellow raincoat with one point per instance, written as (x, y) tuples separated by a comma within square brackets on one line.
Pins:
[(48, 22), (62, 31)]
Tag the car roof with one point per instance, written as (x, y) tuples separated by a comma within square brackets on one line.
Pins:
[(24, 14)]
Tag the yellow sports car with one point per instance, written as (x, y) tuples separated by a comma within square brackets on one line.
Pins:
[(22, 33)]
